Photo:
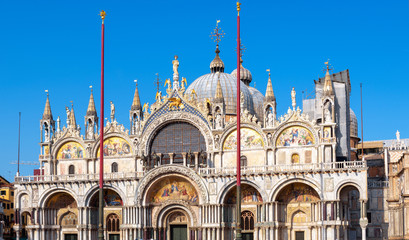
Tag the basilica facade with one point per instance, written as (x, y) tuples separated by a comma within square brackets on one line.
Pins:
[(171, 172)]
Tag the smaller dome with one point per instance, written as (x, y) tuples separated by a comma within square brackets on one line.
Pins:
[(353, 124), (217, 64), (245, 75), (258, 100)]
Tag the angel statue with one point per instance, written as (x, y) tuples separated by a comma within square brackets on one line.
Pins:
[(167, 81), (158, 97), (184, 82), (145, 107)]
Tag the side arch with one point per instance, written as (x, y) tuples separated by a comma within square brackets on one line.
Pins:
[(280, 185), (91, 192), (228, 186), (45, 196), (345, 183)]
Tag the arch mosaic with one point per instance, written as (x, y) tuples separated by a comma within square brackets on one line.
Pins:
[(94, 149), (287, 135), (250, 139), (63, 141), (230, 185), (231, 129), (171, 206), (150, 179), (46, 195), (161, 121), (94, 190), (115, 147), (70, 150), (280, 185), (172, 188)]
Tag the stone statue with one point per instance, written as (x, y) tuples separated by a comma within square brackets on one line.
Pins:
[(293, 98), (327, 113), (112, 111), (58, 124), (67, 110), (136, 126), (218, 120), (175, 65), (90, 131), (398, 136), (46, 136), (270, 119)]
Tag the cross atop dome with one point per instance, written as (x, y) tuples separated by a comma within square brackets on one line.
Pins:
[(217, 33)]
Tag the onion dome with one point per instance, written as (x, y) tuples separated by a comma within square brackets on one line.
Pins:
[(217, 64), (206, 86), (353, 132), (258, 100), (245, 74)]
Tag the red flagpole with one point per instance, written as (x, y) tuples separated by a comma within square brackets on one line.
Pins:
[(238, 111), (101, 140)]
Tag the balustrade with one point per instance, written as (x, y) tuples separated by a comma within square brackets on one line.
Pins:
[(204, 170)]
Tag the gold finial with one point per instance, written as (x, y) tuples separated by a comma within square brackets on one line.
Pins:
[(90, 87), (217, 33), (102, 14), (269, 73), (136, 82), (328, 67), (46, 92), (72, 103), (238, 7)]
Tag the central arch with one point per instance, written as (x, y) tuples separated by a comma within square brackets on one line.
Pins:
[(154, 175)]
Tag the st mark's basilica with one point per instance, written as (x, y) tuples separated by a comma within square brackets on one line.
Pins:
[(170, 173)]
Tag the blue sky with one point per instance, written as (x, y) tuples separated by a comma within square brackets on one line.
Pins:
[(55, 45)]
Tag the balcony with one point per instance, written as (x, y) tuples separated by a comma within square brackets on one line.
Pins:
[(205, 172), (286, 169)]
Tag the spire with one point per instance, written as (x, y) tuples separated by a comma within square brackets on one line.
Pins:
[(73, 123), (219, 93), (328, 90), (217, 64), (91, 111), (269, 92), (47, 115), (136, 103)]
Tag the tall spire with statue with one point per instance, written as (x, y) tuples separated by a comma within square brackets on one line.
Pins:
[(47, 122), (91, 118)]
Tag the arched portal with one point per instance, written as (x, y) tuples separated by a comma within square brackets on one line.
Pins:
[(297, 211), (251, 202), (112, 213), (350, 207), (61, 210)]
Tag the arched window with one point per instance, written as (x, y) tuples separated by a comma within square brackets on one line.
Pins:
[(113, 223), (243, 161), (71, 169), (177, 138), (247, 220), (114, 167)]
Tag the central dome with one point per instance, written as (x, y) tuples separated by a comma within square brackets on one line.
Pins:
[(205, 88)]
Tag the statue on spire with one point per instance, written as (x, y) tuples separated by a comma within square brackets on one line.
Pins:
[(112, 111), (293, 98)]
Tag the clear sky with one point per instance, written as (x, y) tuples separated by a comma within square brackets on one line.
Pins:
[(55, 45)]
